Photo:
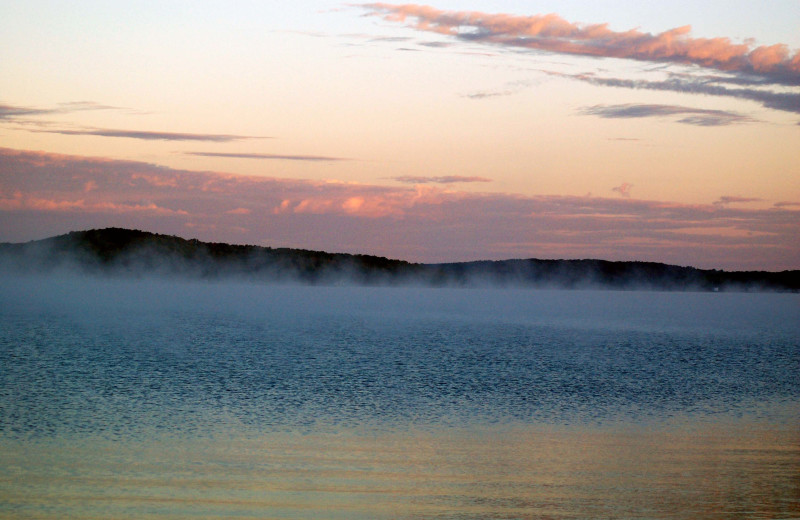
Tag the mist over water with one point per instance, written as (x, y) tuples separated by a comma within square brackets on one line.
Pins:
[(292, 401)]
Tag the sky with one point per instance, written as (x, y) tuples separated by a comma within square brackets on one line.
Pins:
[(444, 131)]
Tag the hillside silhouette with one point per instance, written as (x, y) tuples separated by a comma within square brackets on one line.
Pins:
[(134, 253)]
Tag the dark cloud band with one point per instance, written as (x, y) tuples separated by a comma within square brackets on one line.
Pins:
[(689, 115), (785, 101), (150, 135)]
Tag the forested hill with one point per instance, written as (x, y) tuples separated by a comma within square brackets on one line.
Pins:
[(133, 253), (115, 251)]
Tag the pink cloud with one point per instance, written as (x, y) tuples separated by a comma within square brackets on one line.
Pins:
[(45, 194), (552, 33), (365, 201), (623, 189), (20, 202), (156, 180)]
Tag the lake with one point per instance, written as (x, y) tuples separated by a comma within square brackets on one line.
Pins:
[(155, 399)]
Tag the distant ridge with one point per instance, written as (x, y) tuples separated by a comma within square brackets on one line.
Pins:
[(117, 251), (134, 253)]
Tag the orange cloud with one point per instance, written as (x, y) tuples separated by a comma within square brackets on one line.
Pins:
[(20, 202), (156, 180), (552, 33), (365, 201)]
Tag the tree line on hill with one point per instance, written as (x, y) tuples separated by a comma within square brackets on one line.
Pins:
[(134, 253)]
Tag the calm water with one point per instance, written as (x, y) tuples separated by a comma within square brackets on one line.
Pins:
[(155, 400)]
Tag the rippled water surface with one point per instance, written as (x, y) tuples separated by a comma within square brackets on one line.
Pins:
[(157, 400)]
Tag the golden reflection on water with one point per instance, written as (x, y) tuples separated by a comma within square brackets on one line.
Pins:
[(735, 470)]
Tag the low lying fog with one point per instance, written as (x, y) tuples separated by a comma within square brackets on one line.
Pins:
[(91, 299)]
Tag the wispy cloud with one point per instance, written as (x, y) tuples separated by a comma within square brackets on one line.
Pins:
[(509, 89), (447, 179), (269, 156), (552, 33), (79, 106), (729, 199), (692, 116), (420, 222), (148, 135), (435, 45), (19, 202), (768, 75), (623, 189), (485, 94), (391, 39), (27, 118), (786, 101), (13, 112)]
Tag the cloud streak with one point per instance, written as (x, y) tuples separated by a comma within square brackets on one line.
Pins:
[(692, 116), (269, 156), (13, 112), (447, 179), (729, 199), (552, 33), (19, 202), (785, 101), (150, 135), (21, 116)]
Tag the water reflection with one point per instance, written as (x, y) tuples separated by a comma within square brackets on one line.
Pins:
[(169, 401), (704, 471)]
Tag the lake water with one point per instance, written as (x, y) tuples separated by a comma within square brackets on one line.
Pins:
[(125, 399)]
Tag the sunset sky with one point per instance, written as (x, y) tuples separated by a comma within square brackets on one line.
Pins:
[(449, 131)]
